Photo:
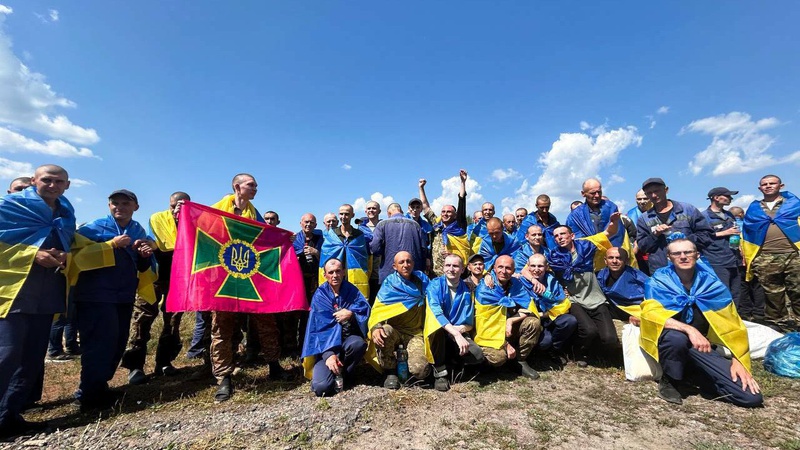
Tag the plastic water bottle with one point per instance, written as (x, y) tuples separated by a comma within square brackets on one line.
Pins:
[(402, 363), (734, 240), (346, 325), (339, 383), (547, 295)]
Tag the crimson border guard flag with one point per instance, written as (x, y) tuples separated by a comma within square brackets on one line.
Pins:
[(223, 262)]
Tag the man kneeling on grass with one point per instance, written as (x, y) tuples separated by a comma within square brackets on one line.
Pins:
[(688, 319), (337, 325)]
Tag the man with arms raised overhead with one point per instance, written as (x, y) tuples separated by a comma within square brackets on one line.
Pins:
[(334, 343), (449, 319), (36, 230), (398, 318), (668, 220), (449, 230), (686, 308), (770, 246)]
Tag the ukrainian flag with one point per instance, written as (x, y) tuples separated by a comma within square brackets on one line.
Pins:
[(756, 222), (455, 239), (164, 230), (554, 305), (627, 292), (25, 223), (92, 250), (491, 306), (441, 310), (396, 297), (580, 221), (353, 254), (666, 297)]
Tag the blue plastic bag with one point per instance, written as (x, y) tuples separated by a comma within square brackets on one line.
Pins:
[(783, 356)]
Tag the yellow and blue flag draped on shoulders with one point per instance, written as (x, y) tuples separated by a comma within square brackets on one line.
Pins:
[(553, 302), (455, 239), (25, 223), (562, 264), (396, 297), (353, 254), (323, 332), (490, 254), (523, 254), (627, 292), (665, 297), (164, 230), (227, 204), (491, 306), (580, 220), (443, 309), (756, 222), (476, 234), (93, 250)]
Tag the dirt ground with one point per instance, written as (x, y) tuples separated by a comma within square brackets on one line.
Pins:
[(570, 408)]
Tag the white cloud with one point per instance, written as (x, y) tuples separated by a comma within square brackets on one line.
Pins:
[(13, 169), (76, 199), (614, 179), (584, 125), (346, 166), (621, 204), (449, 196), (739, 145), (5, 9), (652, 122), (562, 177), (53, 15), (502, 175), (77, 182), (14, 142), (743, 201), (663, 110), (28, 103), (361, 203)]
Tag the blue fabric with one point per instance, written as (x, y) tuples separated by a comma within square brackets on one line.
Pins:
[(426, 227), (707, 292), (323, 332), (496, 296), (783, 356), (478, 230), (523, 254), (532, 219), (628, 290), (561, 262), (106, 228), (756, 221), (581, 222), (352, 251), (557, 333), (684, 218), (394, 235), (543, 303), (323, 381), (300, 241), (396, 289), (487, 250), (26, 218), (23, 344), (719, 252), (457, 311), (634, 214)]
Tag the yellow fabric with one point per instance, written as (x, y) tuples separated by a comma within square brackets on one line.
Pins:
[(749, 250), (90, 255), (634, 310), (600, 240), (725, 327), (476, 245), (490, 325), (227, 205), (165, 232), (382, 313), (358, 277), (559, 309), (459, 245), (15, 263), (308, 366)]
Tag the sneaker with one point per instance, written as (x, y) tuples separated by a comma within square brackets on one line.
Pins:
[(224, 391), (136, 377), (668, 392), (392, 382), (528, 371), (441, 384), (60, 358)]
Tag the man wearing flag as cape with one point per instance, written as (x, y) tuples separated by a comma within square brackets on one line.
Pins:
[(770, 243), (686, 315), (337, 325)]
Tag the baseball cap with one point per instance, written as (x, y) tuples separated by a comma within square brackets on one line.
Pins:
[(474, 257), (414, 200), (650, 181), (720, 191), (125, 193)]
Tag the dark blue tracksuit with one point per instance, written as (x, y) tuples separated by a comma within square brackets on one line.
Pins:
[(24, 334), (683, 218), (104, 303), (723, 259)]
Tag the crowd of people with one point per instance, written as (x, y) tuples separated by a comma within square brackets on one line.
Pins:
[(417, 295)]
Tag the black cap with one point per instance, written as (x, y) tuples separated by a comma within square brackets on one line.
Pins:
[(720, 191), (476, 256), (650, 181), (414, 200), (126, 193)]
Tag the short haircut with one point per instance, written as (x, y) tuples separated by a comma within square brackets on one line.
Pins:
[(494, 220), (623, 254), (271, 212), (681, 240), (569, 228), (770, 176), (330, 261), (453, 255), (543, 198), (179, 195), (240, 178), (52, 168)]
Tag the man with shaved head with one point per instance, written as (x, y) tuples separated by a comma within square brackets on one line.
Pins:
[(397, 318), (498, 244), (18, 184), (163, 227), (330, 221), (509, 224), (543, 218), (642, 205), (519, 215), (37, 227), (534, 244), (372, 211), (479, 231)]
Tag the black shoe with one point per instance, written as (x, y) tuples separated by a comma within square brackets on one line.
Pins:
[(667, 391), (224, 391), (278, 373), (558, 358), (582, 363), (167, 371), (136, 377), (528, 371), (22, 427), (392, 382), (440, 381)]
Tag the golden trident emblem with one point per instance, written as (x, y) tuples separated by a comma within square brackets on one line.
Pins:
[(240, 258)]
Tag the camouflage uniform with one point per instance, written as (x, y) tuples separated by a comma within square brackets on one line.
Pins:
[(223, 327), (169, 342), (779, 275), (414, 345), (524, 337)]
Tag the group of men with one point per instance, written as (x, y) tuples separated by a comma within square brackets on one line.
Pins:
[(417, 295)]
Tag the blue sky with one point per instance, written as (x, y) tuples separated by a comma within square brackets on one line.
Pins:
[(332, 102)]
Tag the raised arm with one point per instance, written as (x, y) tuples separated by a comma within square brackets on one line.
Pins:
[(425, 205), (461, 209)]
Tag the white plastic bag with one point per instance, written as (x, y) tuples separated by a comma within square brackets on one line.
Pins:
[(639, 366), (760, 336)]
